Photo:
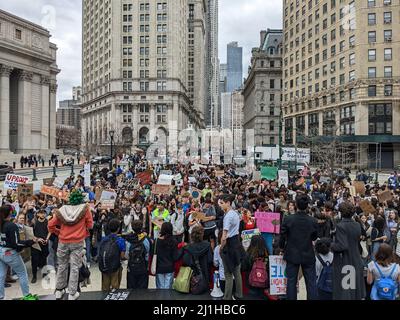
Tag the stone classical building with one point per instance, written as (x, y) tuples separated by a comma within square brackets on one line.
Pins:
[(342, 77), (262, 89), (28, 88), (143, 70)]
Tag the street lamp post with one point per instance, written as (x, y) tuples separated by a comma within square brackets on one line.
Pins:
[(112, 132)]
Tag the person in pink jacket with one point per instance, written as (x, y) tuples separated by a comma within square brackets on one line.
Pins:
[(71, 223)]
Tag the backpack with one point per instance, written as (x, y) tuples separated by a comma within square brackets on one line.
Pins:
[(385, 288), (198, 283), (137, 261), (258, 277), (183, 280), (109, 256), (325, 278)]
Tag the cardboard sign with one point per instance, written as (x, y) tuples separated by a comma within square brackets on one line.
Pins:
[(360, 187), (12, 181), (269, 173), (25, 190), (367, 207), (48, 182), (385, 196), (256, 175), (277, 275), (144, 177), (283, 178), (198, 216), (158, 189), (219, 173), (54, 192), (192, 180), (300, 181), (269, 222), (107, 204)]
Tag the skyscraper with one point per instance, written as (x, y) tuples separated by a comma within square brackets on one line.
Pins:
[(234, 67), (138, 75), (341, 78)]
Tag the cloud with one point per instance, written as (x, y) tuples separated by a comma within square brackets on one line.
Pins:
[(63, 20)]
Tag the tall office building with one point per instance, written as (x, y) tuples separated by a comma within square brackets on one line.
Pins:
[(223, 74), (69, 111), (237, 122), (77, 93), (263, 89), (139, 59), (234, 67), (212, 112), (341, 76)]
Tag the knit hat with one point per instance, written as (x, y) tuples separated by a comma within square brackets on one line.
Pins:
[(76, 198)]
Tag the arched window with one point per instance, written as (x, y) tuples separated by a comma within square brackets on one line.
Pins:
[(144, 135)]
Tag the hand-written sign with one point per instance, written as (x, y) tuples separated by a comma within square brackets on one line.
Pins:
[(219, 173), (12, 181), (48, 181), (367, 207), (144, 177), (54, 192), (360, 187), (108, 195), (158, 189), (385, 196), (107, 204), (277, 275), (269, 222), (25, 190)]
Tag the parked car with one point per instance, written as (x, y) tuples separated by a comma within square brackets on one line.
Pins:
[(68, 163), (100, 160), (4, 170)]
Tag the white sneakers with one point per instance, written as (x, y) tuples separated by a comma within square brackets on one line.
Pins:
[(59, 294), (73, 297)]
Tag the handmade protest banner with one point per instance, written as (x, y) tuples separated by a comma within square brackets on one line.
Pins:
[(367, 207), (144, 177), (269, 173), (158, 189), (166, 172), (196, 193), (300, 181), (25, 189), (192, 180), (48, 181), (247, 235), (219, 173), (86, 174), (165, 179), (385, 196), (198, 216), (269, 222), (277, 275), (12, 181), (108, 195), (256, 176), (54, 192), (283, 178), (107, 204), (360, 187)]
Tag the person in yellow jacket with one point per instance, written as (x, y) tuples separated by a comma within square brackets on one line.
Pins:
[(158, 217)]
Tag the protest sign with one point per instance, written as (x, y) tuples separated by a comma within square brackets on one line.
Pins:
[(367, 207), (360, 187), (196, 193), (269, 173), (269, 222), (107, 204), (247, 235), (86, 175), (117, 295), (277, 275), (283, 178), (177, 177), (108, 195), (256, 175), (385, 196), (98, 192), (165, 179), (352, 190), (59, 183), (12, 181), (158, 189), (144, 177), (25, 190), (300, 181), (166, 172), (219, 173), (48, 181), (54, 192), (300, 154), (198, 216)]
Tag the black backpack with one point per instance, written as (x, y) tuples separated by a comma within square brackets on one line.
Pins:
[(198, 283), (109, 256), (137, 258)]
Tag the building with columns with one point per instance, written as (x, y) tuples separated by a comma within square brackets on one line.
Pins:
[(28, 88), (262, 89), (143, 71), (341, 77)]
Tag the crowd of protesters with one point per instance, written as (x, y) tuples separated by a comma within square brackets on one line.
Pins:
[(326, 233)]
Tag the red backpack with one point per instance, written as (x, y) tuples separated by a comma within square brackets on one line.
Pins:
[(258, 277)]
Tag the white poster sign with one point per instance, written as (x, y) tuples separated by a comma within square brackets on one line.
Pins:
[(165, 179), (12, 181), (87, 175), (277, 273), (289, 154), (283, 177)]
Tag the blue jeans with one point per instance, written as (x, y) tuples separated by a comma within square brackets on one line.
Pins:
[(268, 239), (13, 260), (88, 250), (164, 281)]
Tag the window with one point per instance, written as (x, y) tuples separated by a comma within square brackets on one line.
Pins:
[(387, 35), (388, 72), (352, 59), (371, 19), (387, 17), (371, 36), (388, 54), (372, 55), (380, 119), (388, 90), (144, 86), (161, 85), (144, 108), (272, 83), (372, 72), (371, 3), (371, 91)]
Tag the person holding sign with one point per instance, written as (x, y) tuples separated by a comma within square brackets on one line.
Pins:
[(232, 250), (158, 217), (296, 242)]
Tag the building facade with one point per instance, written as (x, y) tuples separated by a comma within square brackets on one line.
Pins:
[(77, 94), (226, 110), (234, 67), (262, 89), (28, 88), (138, 70), (237, 122), (69, 114), (342, 76)]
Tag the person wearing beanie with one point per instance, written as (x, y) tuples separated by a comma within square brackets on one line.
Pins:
[(72, 223)]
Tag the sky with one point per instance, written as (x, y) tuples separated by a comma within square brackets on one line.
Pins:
[(239, 20)]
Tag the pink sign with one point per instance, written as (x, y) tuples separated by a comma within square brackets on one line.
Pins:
[(268, 222)]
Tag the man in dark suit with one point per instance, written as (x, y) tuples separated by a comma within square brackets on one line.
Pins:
[(296, 242)]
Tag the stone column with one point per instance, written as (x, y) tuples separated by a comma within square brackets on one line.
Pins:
[(5, 72), (135, 122), (306, 125), (294, 133), (321, 123), (45, 142), (25, 112), (53, 102)]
